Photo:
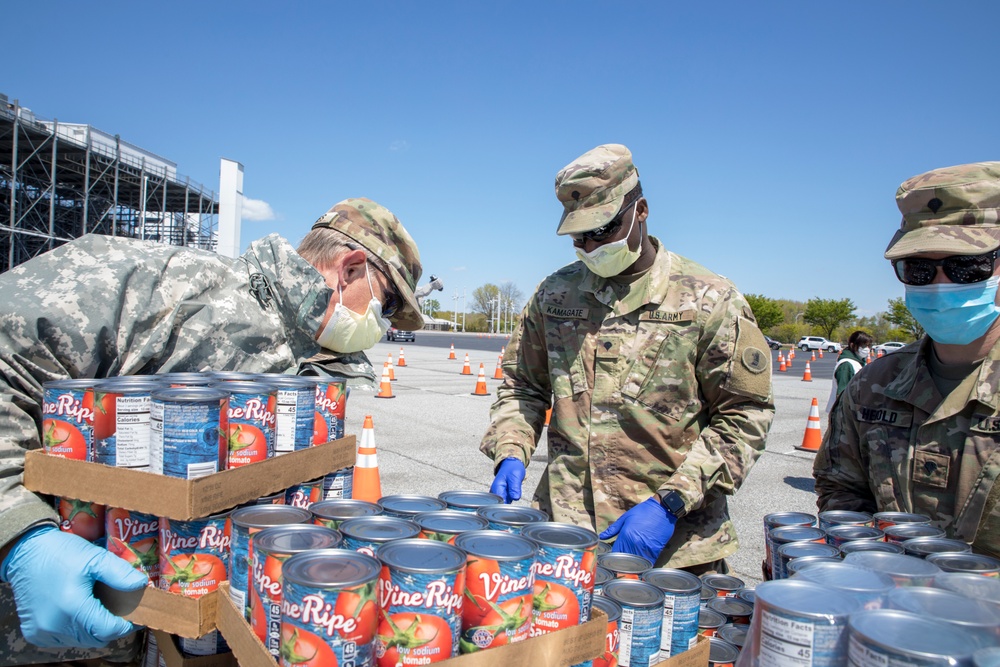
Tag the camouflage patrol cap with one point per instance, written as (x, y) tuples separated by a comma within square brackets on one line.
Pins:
[(592, 187), (376, 229), (953, 210)]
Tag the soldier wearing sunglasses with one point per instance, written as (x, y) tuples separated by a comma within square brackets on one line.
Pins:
[(919, 430), (658, 378)]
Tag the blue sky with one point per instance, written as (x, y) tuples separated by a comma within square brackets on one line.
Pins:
[(770, 136)]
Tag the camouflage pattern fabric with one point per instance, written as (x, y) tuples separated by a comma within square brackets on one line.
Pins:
[(896, 445), (355, 368), (660, 385), (592, 187), (102, 306)]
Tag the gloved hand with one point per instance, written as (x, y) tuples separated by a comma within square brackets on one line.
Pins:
[(643, 530), (53, 574), (507, 483)]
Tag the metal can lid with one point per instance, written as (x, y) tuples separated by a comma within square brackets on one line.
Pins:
[(908, 635), (609, 607), (565, 535), (450, 521), (895, 565), (633, 593), (331, 568), (707, 593), (924, 546), (70, 384), (239, 387), (730, 607), (945, 605), (853, 533), (128, 384), (747, 595), (901, 517), (469, 499), (192, 379), (906, 531), (379, 528), (722, 582), (675, 581), (410, 504), (847, 577), (794, 550), (974, 586), (512, 515), (296, 538), (806, 599), (721, 651), (496, 545), (783, 534), (987, 657), (602, 575), (964, 562), (870, 545), (282, 381), (710, 619), (623, 562), (344, 508), (845, 517), (189, 395), (789, 519), (734, 633), (261, 516), (421, 556), (799, 564), (231, 376), (602, 547)]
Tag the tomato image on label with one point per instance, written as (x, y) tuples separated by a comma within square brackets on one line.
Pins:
[(410, 638), (60, 438), (479, 572), (556, 606), (141, 555), (359, 604), (194, 575), (81, 518), (505, 623), (105, 414), (301, 648)]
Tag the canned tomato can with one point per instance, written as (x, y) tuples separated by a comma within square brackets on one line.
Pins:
[(735, 611), (801, 564), (624, 565), (787, 534), (601, 577), (273, 499), (212, 643), (777, 520), (908, 531), (721, 653), (748, 595), (709, 621), (612, 636), (185, 379), (329, 608), (977, 616), (890, 637), (973, 586), (885, 519), (81, 518), (469, 501), (339, 484), (407, 505), (420, 593), (511, 518), (831, 518), (905, 570), (986, 566), (122, 435), (499, 588), (987, 657), (870, 587), (839, 535), (564, 575), (788, 553), (250, 430), (707, 593), (681, 606), (135, 537), (804, 620), (247, 521), (734, 633), (186, 434), (269, 549), (68, 418), (602, 547), (368, 534), (332, 513), (867, 545), (294, 412), (922, 547), (331, 404), (194, 555), (446, 525), (641, 623), (305, 494), (724, 585)]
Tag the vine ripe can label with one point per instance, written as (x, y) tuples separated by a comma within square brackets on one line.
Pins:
[(249, 432), (68, 418), (193, 555), (187, 431), (564, 575), (135, 537)]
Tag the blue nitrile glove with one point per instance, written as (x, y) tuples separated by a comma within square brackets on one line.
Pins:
[(53, 574), (507, 483), (643, 530)]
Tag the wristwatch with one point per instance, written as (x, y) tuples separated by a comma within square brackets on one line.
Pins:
[(674, 504)]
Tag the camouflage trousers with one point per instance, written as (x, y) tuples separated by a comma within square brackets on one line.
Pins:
[(715, 567)]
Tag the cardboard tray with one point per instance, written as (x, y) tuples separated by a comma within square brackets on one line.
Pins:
[(558, 649), (170, 612), (172, 657), (182, 499), (696, 656)]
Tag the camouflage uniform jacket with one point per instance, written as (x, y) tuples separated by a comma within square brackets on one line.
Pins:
[(101, 306), (896, 445), (667, 387)]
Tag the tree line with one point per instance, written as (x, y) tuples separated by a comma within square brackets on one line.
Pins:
[(786, 321)]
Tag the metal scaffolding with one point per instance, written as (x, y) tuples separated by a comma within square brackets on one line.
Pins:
[(59, 182)]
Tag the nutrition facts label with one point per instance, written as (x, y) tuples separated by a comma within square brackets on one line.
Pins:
[(785, 642), (284, 421), (860, 655), (132, 432)]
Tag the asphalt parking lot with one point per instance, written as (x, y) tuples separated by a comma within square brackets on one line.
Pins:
[(428, 434)]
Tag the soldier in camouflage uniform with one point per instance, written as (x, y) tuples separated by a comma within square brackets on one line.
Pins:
[(658, 377), (918, 430), (100, 306)]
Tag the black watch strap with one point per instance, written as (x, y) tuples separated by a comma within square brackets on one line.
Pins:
[(673, 502)]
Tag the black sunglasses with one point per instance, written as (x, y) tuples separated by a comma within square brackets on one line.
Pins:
[(393, 302), (963, 269), (606, 231)]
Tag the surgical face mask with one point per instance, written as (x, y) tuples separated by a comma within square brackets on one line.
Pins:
[(348, 331), (864, 352), (611, 259), (954, 313)]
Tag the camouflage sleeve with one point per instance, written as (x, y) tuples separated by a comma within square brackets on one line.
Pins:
[(734, 374), (840, 466), (518, 415)]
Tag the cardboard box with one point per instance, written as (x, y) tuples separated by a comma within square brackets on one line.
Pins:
[(177, 498), (696, 656), (172, 656), (558, 649), (170, 612)]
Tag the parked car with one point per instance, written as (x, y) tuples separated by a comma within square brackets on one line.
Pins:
[(807, 343), (886, 348), (771, 343), (395, 334)]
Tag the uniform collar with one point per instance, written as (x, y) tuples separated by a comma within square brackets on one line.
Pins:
[(648, 288)]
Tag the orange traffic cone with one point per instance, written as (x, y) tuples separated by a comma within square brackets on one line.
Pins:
[(821, 354), (481, 383), (879, 355), (788, 362), (813, 356), (869, 359), (781, 364), (498, 373), (385, 387), (791, 353), (548, 416), (814, 431), (451, 355), (392, 373), (503, 349), (367, 483), (466, 369), (402, 359), (807, 376)]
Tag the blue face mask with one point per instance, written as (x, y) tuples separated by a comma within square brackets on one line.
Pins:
[(953, 313)]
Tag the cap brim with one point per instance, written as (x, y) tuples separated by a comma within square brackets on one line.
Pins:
[(951, 239), (408, 317), (592, 217)]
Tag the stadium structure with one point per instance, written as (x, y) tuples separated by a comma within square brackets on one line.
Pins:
[(59, 181)]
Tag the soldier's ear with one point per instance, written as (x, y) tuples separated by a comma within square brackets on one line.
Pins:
[(351, 266)]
